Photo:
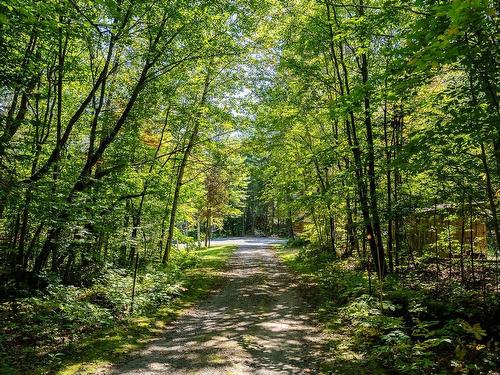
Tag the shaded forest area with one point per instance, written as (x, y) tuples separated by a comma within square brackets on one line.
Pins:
[(379, 156), (366, 131)]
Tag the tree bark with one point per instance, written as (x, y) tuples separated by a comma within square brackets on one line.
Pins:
[(182, 167)]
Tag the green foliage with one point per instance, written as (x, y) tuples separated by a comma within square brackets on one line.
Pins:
[(298, 242), (397, 329), (130, 126), (63, 316)]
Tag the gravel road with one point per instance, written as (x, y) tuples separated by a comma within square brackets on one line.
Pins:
[(257, 323)]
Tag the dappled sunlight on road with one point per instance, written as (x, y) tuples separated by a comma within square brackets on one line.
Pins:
[(256, 324)]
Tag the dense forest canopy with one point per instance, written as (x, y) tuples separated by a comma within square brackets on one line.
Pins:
[(367, 130)]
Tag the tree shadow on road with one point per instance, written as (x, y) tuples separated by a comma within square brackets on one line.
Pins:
[(257, 324)]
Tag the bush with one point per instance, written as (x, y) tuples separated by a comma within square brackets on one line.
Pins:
[(297, 242), (62, 313), (403, 328)]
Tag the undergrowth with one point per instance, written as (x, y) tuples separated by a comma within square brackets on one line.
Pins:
[(70, 329), (403, 326)]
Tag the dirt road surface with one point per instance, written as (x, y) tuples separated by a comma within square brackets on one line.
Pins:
[(257, 323)]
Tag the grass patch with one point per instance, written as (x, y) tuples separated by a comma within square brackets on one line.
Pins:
[(113, 342), (292, 257)]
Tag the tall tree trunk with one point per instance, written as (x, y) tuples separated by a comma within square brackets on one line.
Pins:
[(136, 218), (290, 224), (83, 181), (389, 192), (136, 221), (208, 227), (182, 167), (350, 228), (12, 122), (491, 198), (380, 256), (371, 222), (123, 245), (100, 81)]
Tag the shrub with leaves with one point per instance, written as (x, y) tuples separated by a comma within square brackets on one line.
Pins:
[(62, 313)]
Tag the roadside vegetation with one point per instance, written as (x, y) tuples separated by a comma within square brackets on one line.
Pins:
[(69, 330), (405, 325), (366, 131)]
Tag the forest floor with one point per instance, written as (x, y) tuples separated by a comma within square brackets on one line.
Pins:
[(404, 325), (257, 323), (42, 338)]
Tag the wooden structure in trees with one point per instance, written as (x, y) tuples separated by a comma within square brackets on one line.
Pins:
[(447, 230)]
